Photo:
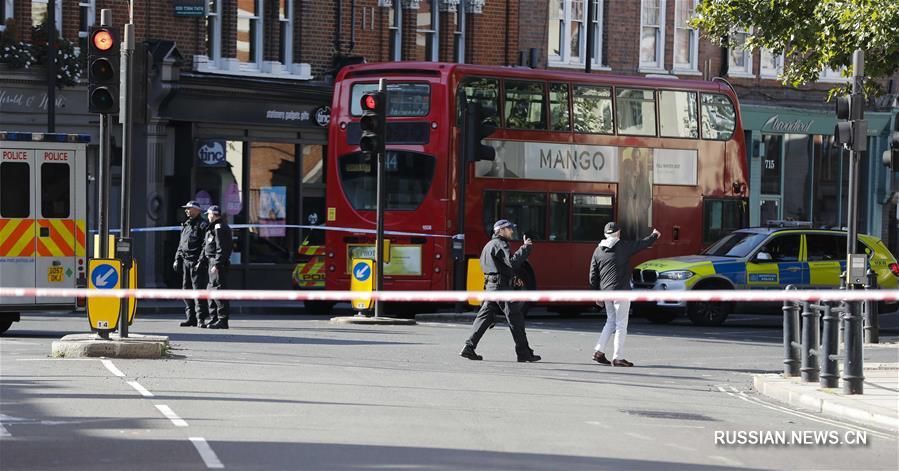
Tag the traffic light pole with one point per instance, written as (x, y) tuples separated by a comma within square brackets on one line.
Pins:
[(853, 371), (381, 203), (123, 248)]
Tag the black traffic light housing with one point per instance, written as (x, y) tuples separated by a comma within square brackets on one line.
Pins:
[(852, 133), (103, 70), (479, 125), (891, 155), (373, 123)]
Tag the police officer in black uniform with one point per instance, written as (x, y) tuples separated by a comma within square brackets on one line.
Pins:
[(193, 231), (216, 256), (499, 266)]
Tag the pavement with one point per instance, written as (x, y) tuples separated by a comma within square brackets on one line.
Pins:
[(878, 406)]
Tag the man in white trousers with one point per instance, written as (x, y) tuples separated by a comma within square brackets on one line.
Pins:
[(610, 270)]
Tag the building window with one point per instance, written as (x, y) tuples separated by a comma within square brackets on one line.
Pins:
[(652, 34), (740, 58), (87, 15), (40, 12), (214, 30), (249, 32), (686, 39), (568, 34), (285, 20), (273, 173), (833, 75), (771, 65), (426, 37), (6, 9)]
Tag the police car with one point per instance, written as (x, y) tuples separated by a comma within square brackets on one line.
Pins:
[(758, 258)]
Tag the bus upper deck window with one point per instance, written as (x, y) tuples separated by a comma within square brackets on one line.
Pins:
[(484, 91), (718, 117), (558, 107), (593, 110), (525, 105), (677, 114), (636, 112)]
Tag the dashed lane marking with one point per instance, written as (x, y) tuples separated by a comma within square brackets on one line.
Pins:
[(680, 447), (637, 435), (727, 461), (171, 415), (142, 390), (112, 368), (206, 453)]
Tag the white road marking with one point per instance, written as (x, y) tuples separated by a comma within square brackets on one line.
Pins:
[(142, 390), (206, 453), (598, 424), (168, 412), (637, 435), (727, 461), (740, 395), (680, 447), (112, 368)]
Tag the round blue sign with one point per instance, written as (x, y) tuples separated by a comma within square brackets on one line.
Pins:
[(361, 271), (105, 277)]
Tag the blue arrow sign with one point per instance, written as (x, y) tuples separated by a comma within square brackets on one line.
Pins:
[(361, 271), (105, 277)]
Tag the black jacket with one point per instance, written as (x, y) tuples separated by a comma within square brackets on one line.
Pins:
[(217, 249), (193, 231), (497, 260), (610, 266)]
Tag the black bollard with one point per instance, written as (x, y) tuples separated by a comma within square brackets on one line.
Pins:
[(811, 339), (830, 375), (853, 368), (791, 338), (872, 312)]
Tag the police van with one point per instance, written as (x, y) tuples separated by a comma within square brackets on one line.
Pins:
[(43, 211)]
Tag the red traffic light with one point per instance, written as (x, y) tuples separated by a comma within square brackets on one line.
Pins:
[(370, 102), (103, 40)]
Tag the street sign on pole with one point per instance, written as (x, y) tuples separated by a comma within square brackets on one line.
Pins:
[(362, 280), (103, 313)]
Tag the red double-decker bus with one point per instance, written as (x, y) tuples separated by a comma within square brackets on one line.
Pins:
[(572, 152)]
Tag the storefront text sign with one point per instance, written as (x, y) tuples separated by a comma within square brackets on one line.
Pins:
[(211, 153), (23, 101), (797, 126), (193, 8)]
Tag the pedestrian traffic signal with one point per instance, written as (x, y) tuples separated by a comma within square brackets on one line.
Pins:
[(373, 123), (103, 70), (479, 125), (853, 133), (891, 155)]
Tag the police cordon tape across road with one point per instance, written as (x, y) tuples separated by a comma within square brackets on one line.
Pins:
[(576, 296)]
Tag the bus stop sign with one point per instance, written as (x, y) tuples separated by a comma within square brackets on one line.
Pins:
[(104, 273)]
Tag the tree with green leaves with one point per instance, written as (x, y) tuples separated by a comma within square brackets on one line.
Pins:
[(814, 35)]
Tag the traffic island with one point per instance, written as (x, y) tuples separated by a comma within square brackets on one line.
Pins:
[(371, 320), (92, 345), (877, 407)]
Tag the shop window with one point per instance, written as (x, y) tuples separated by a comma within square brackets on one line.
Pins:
[(528, 210), (721, 217), (272, 169), (220, 181), (558, 107), (593, 110), (797, 181), (826, 190), (313, 193), (590, 215), (492, 211), (15, 190), (678, 116), (55, 190), (636, 112), (525, 105), (718, 117), (559, 208)]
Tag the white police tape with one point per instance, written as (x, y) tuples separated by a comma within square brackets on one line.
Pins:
[(582, 296), (296, 226)]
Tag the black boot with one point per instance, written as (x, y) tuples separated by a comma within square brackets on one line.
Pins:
[(528, 357), (468, 352), (189, 323), (219, 324)]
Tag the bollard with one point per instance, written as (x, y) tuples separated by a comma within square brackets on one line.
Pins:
[(791, 338), (827, 355), (872, 312), (811, 339), (853, 368)]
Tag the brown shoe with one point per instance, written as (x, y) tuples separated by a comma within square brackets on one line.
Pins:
[(600, 358), (621, 362)]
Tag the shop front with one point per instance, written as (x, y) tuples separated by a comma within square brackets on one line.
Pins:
[(797, 172), (256, 149)]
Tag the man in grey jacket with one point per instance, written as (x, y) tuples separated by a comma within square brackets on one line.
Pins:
[(499, 265), (610, 270)]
